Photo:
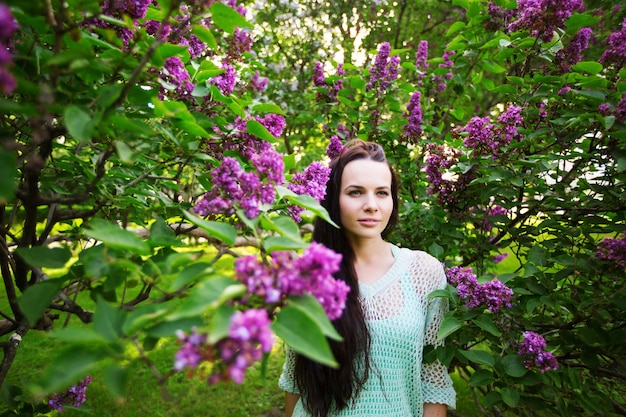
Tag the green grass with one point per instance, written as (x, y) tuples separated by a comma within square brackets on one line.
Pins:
[(182, 395)]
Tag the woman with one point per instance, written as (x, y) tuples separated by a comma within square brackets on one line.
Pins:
[(388, 318)]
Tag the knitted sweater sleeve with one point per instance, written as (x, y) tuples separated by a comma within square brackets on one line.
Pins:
[(436, 382), (287, 380)]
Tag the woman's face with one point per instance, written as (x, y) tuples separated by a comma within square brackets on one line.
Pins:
[(365, 201)]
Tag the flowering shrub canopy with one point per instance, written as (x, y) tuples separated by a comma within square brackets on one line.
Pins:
[(146, 144)]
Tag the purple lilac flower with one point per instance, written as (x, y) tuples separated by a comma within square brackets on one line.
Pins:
[(310, 182), (249, 336), (274, 123), (8, 24), (495, 210), (532, 350), (318, 75), (620, 109), (152, 28), (192, 351), (175, 73), (421, 56), (319, 81), (616, 52), (238, 44), (74, 396), (384, 70), (342, 131), (572, 53), (446, 64), (480, 135), (499, 17), (543, 17), (495, 294), (288, 275), (613, 250), (499, 257), (439, 159), (239, 9), (335, 147), (604, 109), (563, 91), (258, 83), (226, 80), (413, 129), (136, 9)]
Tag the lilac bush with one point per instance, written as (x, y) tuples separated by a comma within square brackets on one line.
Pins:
[(74, 396)]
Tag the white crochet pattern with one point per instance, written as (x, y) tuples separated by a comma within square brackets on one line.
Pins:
[(401, 320)]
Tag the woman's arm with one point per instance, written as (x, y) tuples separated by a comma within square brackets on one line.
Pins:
[(290, 403), (435, 410)]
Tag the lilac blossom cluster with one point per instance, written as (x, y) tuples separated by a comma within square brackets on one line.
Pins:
[(286, 275), (8, 26), (257, 83), (499, 17), (543, 17), (447, 63), (613, 250), (616, 53), (310, 182), (532, 349), (236, 187), (385, 69), (331, 90), (249, 337), (572, 53), (74, 396), (494, 294), (413, 128), (421, 62), (488, 139), (499, 257), (335, 147), (495, 210), (439, 159)]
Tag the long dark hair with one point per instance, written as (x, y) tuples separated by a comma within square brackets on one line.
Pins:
[(324, 389)]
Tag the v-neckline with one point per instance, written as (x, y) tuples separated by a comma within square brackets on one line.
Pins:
[(371, 289)]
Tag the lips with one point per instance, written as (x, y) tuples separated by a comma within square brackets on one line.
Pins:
[(368, 222)]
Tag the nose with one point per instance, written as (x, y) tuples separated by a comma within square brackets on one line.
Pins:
[(370, 203)]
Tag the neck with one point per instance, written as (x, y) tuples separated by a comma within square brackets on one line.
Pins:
[(370, 250)]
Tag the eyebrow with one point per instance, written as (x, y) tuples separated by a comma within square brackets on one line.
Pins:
[(384, 187)]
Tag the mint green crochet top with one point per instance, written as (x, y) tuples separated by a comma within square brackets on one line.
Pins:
[(401, 321)]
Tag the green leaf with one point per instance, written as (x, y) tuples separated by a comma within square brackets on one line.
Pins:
[(449, 325), (590, 67), (71, 365), (208, 294), (265, 108), (108, 321), (205, 35), (301, 333), (284, 225), (510, 396), (228, 19), (274, 243), (311, 306), (478, 356), (220, 323), (170, 327), (115, 237), (79, 335), (191, 273), (221, 231), (538, 256), (255, 128), (144, 316), (78, 122), (8, 176), (162, 235), (486, 323), (45, 257), (514, 365), (305, 201), (124, 151), (37, 298), (116, 380), (481, 377)]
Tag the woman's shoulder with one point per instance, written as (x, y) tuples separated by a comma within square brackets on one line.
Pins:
[(424, 268)]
